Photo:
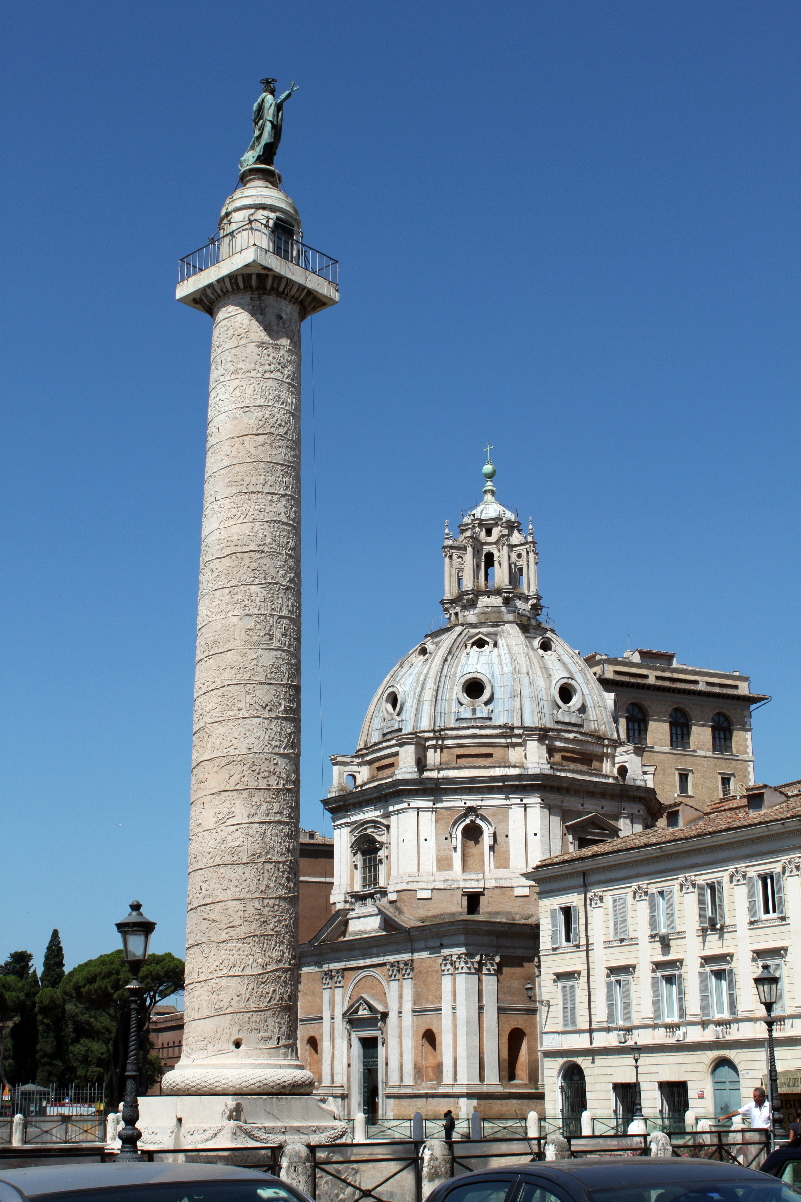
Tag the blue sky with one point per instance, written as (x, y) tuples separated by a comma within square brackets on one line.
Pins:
[(568, 227)]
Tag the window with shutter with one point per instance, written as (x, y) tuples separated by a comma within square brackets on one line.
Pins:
[(569, 1005), (669, 996), (721, 913), (778, 892), (706, 993), (554, 928), (670, 910), (625, 1000), (620, 916), (656, 998), (574, 924), (777, 968), (653, 914), (767, 893), (679, 996), (753, 901)]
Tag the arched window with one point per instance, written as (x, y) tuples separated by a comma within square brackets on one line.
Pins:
[(574, 1099), (721, 734), (679, 730), (518, 1054), (429, 1056), (636, 724), (489, 570), (473, 847), (368, 851), (313, 1057)]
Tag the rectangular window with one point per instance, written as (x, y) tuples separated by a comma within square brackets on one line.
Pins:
[(564, 926), (674, 1102), (765, 895), (726, 783), (662, 911), (618, 1001), (718, 991), (710, 904), (673, 819), (669, 999), (620, 916), (667, 996), (568, 992), (684, 784)]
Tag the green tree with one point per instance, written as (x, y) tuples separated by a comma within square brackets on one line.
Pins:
[(11, 1000), (51, 1045), (97, 1014), (20, 1042)]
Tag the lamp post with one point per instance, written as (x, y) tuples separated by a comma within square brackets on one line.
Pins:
[(135, 930), (767, 987), (638, 1114)]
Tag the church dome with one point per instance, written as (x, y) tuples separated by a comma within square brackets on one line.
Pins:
[(468, 676)]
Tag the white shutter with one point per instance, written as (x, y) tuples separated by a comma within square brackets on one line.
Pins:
[(555, 941), (679, 995), (703, 915), (777, 967), (656, 997), (731, 991), (778, 885), (653, 914), (574, 924), (670, 909), (611, 1017), (753, 902), (573, 1007), (721, 907), (569, 1005), (704, 988), (625, 1000), (620, 916)]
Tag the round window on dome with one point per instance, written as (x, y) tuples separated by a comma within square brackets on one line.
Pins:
[(475, 689), (422, 649), (393, 702), (567, 693), (546, 645)]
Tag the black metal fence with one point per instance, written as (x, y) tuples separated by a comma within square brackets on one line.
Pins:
[(279, 241), (48, 1100)]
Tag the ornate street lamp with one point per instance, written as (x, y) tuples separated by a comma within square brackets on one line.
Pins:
[(638, 1114), (135, 930), (767, 987)]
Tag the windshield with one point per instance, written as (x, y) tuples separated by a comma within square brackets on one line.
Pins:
[(182, 1191), (699, 1191)]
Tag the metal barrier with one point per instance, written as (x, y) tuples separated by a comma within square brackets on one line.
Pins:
[(257, 234), (64, 1129)]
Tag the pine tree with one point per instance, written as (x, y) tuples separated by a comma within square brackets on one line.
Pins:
[(20, 1042), (51, 1046)]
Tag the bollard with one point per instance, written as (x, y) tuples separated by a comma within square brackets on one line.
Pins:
[(690, 1120), (437, 1165), (557, 1148), (476, 1125), (587, 1123), (638, 1127), (296, 1167), (360, 1129), (18, 1130), (418, 1127), (532, 1125)]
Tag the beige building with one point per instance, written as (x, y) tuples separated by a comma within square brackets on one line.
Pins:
[(656, 938), (692, 724)]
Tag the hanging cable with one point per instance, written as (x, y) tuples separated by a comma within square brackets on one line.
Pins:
[(317, 568)]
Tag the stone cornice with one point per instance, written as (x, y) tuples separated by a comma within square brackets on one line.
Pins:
[(616, 684)]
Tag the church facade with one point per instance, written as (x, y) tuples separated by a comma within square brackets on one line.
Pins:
[(492, 746)]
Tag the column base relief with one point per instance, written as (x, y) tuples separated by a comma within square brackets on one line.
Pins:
[(279, 1077)]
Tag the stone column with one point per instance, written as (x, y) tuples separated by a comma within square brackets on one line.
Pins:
[(340, 1042), (466, 1018), (240, 1032), (745, 967), (407, 1021), (791, 867), (446, 966), (688, 887), (393, 1032), (489, 978), (325, 1074)]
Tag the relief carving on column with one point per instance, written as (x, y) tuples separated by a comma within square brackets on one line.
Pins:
[(738, 875), (393, 969), (338, 978), (596, 898), (407, 968), (687, 884), (489, 965), (791, 866), (326, 975), (446, 965), (465, 963), (639, 892)]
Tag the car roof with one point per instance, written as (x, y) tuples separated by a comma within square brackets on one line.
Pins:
[(63, 1178), (598, 1172)]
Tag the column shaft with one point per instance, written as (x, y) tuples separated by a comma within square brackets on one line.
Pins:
[(446, 965)]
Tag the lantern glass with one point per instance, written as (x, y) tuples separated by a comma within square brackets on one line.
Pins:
[(767, 986), (635, 1051), (135, 931)]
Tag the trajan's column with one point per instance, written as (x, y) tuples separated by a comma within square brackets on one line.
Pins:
[(239, 1065)]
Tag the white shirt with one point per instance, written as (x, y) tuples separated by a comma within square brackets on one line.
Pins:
[(758, 1116)]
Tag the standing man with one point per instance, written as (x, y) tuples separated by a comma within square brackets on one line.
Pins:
[(268, 117), (449, 1124), (757, 1112)]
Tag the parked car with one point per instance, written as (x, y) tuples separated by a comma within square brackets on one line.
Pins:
[(615, 1179), (143, 1182), (784, 1163)]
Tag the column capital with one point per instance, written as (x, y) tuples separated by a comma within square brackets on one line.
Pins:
[(489, 965), (338, 978), (407, 968), (639, 892), (791, 866), (596, 898), (466, 963), (446, 965), (738, 875), (687, 883), (326, 976)]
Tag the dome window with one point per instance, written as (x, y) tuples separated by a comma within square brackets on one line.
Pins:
[(393, 702), (422, 649), (546, 645), (567, 694), (474, 690), (480, 643)]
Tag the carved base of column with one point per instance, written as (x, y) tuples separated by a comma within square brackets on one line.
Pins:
[(214, 1121), (282, 1078)]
